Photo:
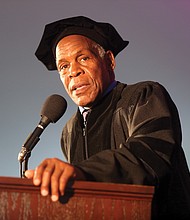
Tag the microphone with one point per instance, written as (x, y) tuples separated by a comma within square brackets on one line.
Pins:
[(52, 110)]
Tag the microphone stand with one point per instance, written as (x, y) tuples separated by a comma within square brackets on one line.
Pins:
[(25, 153), (24, 164)]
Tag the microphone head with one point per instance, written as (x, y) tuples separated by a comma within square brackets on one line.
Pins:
[(54, 107)]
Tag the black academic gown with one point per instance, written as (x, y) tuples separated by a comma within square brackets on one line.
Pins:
[(133, 136)]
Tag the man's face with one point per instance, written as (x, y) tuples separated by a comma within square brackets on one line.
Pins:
[(84, 74)]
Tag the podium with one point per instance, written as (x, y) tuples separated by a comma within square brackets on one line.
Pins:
[(21, 200)]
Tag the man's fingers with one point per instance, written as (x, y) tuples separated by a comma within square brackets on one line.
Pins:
[(46, 180), (53, 175), (44, 167), (68, 174), (59, 180), (62, 184), (55, 186)]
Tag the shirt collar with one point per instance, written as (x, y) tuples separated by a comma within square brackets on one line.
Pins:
[(109, 89)]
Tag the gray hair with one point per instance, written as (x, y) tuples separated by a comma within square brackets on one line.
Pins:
[(100, 49)]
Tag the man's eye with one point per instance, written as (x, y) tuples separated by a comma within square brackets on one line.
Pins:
[(84, 58), (63, 67)]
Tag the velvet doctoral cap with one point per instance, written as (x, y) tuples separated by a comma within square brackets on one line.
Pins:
[(102, 33)]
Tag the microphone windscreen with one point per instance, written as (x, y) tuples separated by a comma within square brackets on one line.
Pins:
[(54, 107)]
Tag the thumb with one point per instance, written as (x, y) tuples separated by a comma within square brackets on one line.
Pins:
[(29, 174)]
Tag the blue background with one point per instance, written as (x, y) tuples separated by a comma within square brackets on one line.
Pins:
[(159, 50)]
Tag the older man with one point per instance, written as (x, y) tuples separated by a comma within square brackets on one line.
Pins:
[(131, 133)]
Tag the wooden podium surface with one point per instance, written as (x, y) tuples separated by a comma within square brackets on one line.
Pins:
[(21, 200)]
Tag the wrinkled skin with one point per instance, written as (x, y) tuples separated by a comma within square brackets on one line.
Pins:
[(85, 76)]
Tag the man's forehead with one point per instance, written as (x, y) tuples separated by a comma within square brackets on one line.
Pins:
[(74, 44), (75, 39)]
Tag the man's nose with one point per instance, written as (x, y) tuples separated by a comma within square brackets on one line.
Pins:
[(75, 70)]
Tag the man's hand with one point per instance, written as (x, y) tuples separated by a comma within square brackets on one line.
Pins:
[(54, 174)]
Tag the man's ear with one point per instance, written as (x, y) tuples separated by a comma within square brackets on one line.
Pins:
[(110, 59)]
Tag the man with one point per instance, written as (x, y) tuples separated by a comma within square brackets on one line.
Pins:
[(131, 134)]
